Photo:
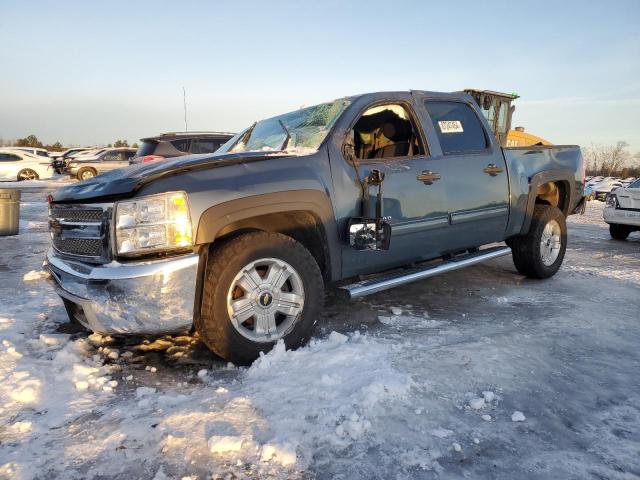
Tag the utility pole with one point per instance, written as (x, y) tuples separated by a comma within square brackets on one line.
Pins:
[(184, 102)]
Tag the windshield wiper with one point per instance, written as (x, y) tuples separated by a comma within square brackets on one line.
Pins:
[(285, 143)]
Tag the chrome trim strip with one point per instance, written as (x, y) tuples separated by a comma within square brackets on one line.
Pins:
[(375, 285), (78, 224), (406, 228), (470, 215)]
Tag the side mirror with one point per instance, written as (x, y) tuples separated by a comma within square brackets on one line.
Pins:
[(369, 234)]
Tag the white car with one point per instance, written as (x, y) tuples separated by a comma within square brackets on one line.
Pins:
[(601, 189), (38, 152), (622, 211), (19, 165)]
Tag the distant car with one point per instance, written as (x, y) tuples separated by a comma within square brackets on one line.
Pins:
[(595, 180), (41, 152), (622, 211), (169, 145), (22, 165), (601, 189), (87, 166), (92, 152), (60, 157)]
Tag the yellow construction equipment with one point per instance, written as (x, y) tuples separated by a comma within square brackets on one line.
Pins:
[(498, 109)]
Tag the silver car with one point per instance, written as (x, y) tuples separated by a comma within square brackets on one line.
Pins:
[(85, 167)]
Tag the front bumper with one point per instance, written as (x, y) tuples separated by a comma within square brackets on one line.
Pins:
[(621, 216), (148, 297)]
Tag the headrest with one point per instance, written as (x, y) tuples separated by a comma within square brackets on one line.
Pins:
[(400, 130)]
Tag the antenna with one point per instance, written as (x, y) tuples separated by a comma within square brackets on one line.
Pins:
[(184, 102)]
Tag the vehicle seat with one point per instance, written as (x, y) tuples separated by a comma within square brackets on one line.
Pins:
[(398, 133)]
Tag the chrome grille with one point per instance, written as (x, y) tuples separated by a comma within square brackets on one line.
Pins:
[(81, 231), (79, 246), (93, 215)]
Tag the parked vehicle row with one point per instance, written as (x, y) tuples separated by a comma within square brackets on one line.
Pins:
[(600, 186)]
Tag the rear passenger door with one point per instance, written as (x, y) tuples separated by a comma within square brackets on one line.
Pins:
[(111, 160), (476, 173)]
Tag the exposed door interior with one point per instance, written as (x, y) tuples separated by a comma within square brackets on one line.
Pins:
[(386, 131)]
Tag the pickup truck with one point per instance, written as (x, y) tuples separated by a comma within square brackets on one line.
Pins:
[(360, 194)]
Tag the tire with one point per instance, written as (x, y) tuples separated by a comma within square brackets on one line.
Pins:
[(27, 174), (227, 282), (86, 173), (532, 253), (619, 232)]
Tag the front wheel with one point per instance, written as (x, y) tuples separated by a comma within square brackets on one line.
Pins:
[(259, 288), (619, 232), (27, 174), (540, 252)]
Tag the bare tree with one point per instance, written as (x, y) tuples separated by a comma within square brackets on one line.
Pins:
[(608, 160)]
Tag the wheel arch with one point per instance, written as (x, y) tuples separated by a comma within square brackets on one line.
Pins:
[(551, 187), (305, 215)]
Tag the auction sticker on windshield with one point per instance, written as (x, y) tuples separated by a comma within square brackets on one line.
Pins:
[(450, 126)]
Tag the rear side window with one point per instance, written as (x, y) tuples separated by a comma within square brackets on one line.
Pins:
[(204, 145), (458, 128), (182, 144)]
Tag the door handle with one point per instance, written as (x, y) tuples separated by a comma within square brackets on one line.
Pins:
[(492, 169), (428, 177)]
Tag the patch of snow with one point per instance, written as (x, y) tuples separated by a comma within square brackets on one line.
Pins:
[(34, 275), (284, 454), (441, 432), (477, 403), (518, 417), (226, 443), (488, 396)]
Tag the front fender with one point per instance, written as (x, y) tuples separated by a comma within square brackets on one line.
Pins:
[(216, 218)]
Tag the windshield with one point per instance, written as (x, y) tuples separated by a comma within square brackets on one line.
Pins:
[(299, 132), (635, 184)]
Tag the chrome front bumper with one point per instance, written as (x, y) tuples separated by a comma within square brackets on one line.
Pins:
[(147, 297)]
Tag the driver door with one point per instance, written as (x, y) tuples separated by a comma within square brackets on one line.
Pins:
[(388, 138)]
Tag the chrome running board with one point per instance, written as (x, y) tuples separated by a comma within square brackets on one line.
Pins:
[(385, 282)]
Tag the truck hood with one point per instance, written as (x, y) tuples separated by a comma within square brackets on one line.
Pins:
[(124, 182)]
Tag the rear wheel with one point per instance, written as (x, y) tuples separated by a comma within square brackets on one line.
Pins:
[(540, 252), (27, 174), (86, 173), (619, 232), (259, 288)]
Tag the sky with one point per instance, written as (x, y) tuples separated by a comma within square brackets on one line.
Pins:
[(92, 72)]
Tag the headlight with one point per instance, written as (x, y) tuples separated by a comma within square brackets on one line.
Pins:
[(611, 200), (154, 223)]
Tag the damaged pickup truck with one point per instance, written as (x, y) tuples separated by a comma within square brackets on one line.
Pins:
[(362, 194)]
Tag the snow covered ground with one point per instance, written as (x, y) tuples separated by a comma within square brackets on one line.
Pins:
[(475, 374)]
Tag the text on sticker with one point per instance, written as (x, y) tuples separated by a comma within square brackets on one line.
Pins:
[(450, 126)]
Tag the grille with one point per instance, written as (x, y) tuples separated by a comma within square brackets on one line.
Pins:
[(74, 214), (79, 246), (81, 230)]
